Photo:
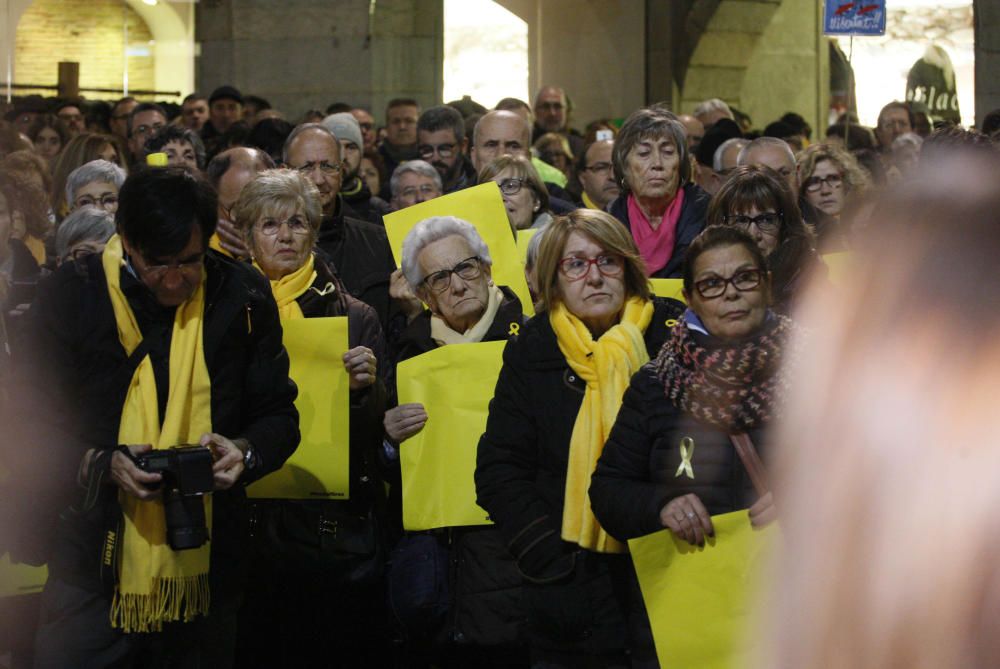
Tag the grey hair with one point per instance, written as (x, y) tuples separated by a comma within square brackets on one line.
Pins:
[(532, 254), (650, 123), (305, 127), (94, 171), (910, 139), (762, 142), (435, 229), (421, 167), (85, 224), (712, 105), (721, 151)]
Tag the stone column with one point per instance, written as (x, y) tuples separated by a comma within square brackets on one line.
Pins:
[(987, 37)]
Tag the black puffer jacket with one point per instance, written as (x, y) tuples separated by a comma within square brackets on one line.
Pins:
[(521, 480), (636, 477), (691, 223)]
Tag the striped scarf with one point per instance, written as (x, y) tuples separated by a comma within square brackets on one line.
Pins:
[(735, 386)]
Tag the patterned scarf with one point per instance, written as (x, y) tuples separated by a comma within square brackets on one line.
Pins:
[(735, 386)]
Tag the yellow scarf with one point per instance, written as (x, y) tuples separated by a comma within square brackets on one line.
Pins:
[(589, 204), (606, 365), (444, 335), (288, 288), (156, 584)]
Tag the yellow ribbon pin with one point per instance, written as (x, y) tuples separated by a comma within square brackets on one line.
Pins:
[(515, 329), (687, 452)]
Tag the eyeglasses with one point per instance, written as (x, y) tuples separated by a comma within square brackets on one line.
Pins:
[(511, 185), (324, 167), (443, 150), (575, 268), (104, 201), (768, 222), (468, 269), (814, 184), (271, 226), (429, 191), (599, 168), (147, 129), (743, 281), (157, 272)]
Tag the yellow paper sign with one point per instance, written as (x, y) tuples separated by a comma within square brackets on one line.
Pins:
[(838, 266), (699, 599), (320, 467), (482, 206), (455, 384), (523, 241), (668, 288), (20, 579)]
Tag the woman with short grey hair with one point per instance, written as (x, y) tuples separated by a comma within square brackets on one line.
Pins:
[(95, 183), (659, 204), (434, 229), (86, 230)]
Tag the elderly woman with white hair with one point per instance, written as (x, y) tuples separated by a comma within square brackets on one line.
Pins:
[(86, 230), (448, 266), (95, 183)]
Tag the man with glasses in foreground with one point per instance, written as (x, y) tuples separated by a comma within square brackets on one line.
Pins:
[(597, 175), (358, 251), (156, 343), (143, 122)]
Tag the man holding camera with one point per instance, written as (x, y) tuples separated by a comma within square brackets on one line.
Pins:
[(155, 388)]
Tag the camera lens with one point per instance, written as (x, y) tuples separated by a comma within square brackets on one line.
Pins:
[(185, 516)]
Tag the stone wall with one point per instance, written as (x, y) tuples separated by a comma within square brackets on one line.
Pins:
[(89, 32), (987, 27)]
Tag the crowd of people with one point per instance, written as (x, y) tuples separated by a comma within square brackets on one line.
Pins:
[(151, 255)]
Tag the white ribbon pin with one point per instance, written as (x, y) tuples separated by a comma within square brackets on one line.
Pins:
[(687, 452)]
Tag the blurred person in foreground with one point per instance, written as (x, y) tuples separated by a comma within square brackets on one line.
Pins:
[(887, 467), (557, 396), (720, 373)]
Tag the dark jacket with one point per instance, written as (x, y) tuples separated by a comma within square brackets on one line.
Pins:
[(465, 178), (635, 478), (483, 584), (74, 380), (393, 157), (691, 223), (360, 252), (366, 207), (521, 481), (21, 289)]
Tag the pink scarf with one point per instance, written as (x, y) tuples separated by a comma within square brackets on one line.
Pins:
[(655, 246)]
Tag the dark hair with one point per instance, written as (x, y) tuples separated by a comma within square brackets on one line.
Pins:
[(157, 207), (798, 123), (896, 104), (69, 102), (779, 129), (759, 186), (855, 136), (512, 104), (175, 133), (376, 159), (401, 102), (339, 107), (650, 122), (269, 136), (991, 122), (948, 140), (49, 121), (144, 107), (193, 97), (714, 237), (443, 117), (256, 101)]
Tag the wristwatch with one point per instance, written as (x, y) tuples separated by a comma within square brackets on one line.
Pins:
[(250, 459)]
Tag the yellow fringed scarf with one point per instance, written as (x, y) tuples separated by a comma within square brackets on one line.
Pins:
[(156, 584), (606, 365), (288, 288)]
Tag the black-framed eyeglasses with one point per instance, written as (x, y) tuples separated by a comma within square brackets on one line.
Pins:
[(575, 268), (324, 167), (147, 129), (815, 184), (104, 201), (599, 168), (769, 222), (468, 269), (743, 281), (511, 185), (443, 150), (157, 272)]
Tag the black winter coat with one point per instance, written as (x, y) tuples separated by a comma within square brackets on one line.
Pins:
[(690, 224), (73, 379), (635, 478), (521, 481)]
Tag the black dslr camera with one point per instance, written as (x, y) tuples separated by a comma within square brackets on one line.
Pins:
[(187, 475)]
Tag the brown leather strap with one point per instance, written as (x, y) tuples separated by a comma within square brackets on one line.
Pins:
[(755, 468)]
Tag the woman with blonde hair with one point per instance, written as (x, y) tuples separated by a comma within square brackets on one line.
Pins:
[(829, 177), (556, 399), (889, 472), (524, 194)]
